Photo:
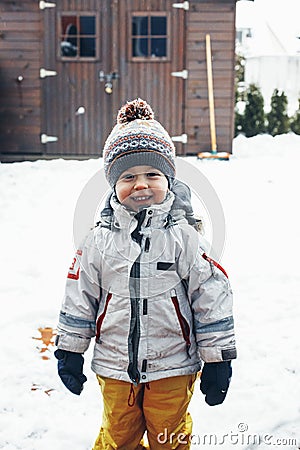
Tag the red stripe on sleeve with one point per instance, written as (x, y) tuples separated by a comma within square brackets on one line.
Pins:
[(207, 258)]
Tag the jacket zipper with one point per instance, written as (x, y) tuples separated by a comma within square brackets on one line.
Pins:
[(101, 317), (134, 286), (185, 328), (134, 333)]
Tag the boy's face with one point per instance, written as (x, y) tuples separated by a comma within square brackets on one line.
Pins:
[(141, 186)]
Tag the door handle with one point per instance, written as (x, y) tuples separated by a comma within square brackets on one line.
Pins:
[(107, 78)]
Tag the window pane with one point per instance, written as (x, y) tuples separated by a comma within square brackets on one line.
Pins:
[(159, 26), (69, 45), (139, 26), (159, 47), (139, 47), (87, 25), (87, 47), (66, 22), (68, 49)]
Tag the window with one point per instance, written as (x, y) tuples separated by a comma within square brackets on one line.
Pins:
[(78, 36), (149, 36)]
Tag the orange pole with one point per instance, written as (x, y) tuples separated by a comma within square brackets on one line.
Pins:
[(211, 96)]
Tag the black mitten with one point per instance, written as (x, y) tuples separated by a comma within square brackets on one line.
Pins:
[(215, 379), (70, 366)]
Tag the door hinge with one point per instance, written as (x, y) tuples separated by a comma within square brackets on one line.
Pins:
[(44, 5), (182, 138), (47, 73), (184, 5), (45, 139), (183, 74)]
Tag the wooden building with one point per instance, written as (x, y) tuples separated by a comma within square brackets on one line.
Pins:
[(66, 66)]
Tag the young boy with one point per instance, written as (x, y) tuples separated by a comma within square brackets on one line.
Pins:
[(143, 286)]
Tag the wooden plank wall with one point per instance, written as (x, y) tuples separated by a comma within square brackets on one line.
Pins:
[(218, 19), (21, 55), (20, 98)]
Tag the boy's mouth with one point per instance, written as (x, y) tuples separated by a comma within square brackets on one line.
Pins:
[(141, 198)]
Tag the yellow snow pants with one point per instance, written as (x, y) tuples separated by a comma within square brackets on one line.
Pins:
[(158, 407)]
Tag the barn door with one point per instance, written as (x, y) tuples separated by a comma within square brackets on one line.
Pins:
[(97, 55), (77, 111), (151, 63)]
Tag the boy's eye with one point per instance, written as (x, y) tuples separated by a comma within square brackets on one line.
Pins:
[(129, 176), (153, 174)]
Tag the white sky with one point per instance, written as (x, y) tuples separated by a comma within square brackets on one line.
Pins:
[(282, 14)]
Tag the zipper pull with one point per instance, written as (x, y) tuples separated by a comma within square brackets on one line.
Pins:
[(145, 310), (147, 244)]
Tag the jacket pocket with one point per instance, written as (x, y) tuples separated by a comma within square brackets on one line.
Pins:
[(185, 328), (101, 317)]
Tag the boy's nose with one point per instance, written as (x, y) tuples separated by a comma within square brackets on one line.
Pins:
[(140, 183)]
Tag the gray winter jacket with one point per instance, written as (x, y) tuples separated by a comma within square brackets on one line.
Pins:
[(142, 285)]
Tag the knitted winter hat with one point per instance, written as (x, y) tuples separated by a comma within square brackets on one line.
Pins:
[(137, 140)]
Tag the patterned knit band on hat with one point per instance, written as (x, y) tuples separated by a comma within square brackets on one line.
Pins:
[(137, 140)]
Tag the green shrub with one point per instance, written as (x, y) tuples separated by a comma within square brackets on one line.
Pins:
[(295, 121), (277, 118), (254, 116)]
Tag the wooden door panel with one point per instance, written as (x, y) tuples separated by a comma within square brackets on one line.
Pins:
[(150, 78), (77, 110)]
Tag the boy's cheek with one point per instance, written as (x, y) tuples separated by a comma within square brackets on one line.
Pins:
[(122, 193)]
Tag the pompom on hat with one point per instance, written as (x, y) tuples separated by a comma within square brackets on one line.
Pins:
[(137, 140)]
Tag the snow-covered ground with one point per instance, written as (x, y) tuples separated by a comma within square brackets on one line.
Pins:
[(258, 189)]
